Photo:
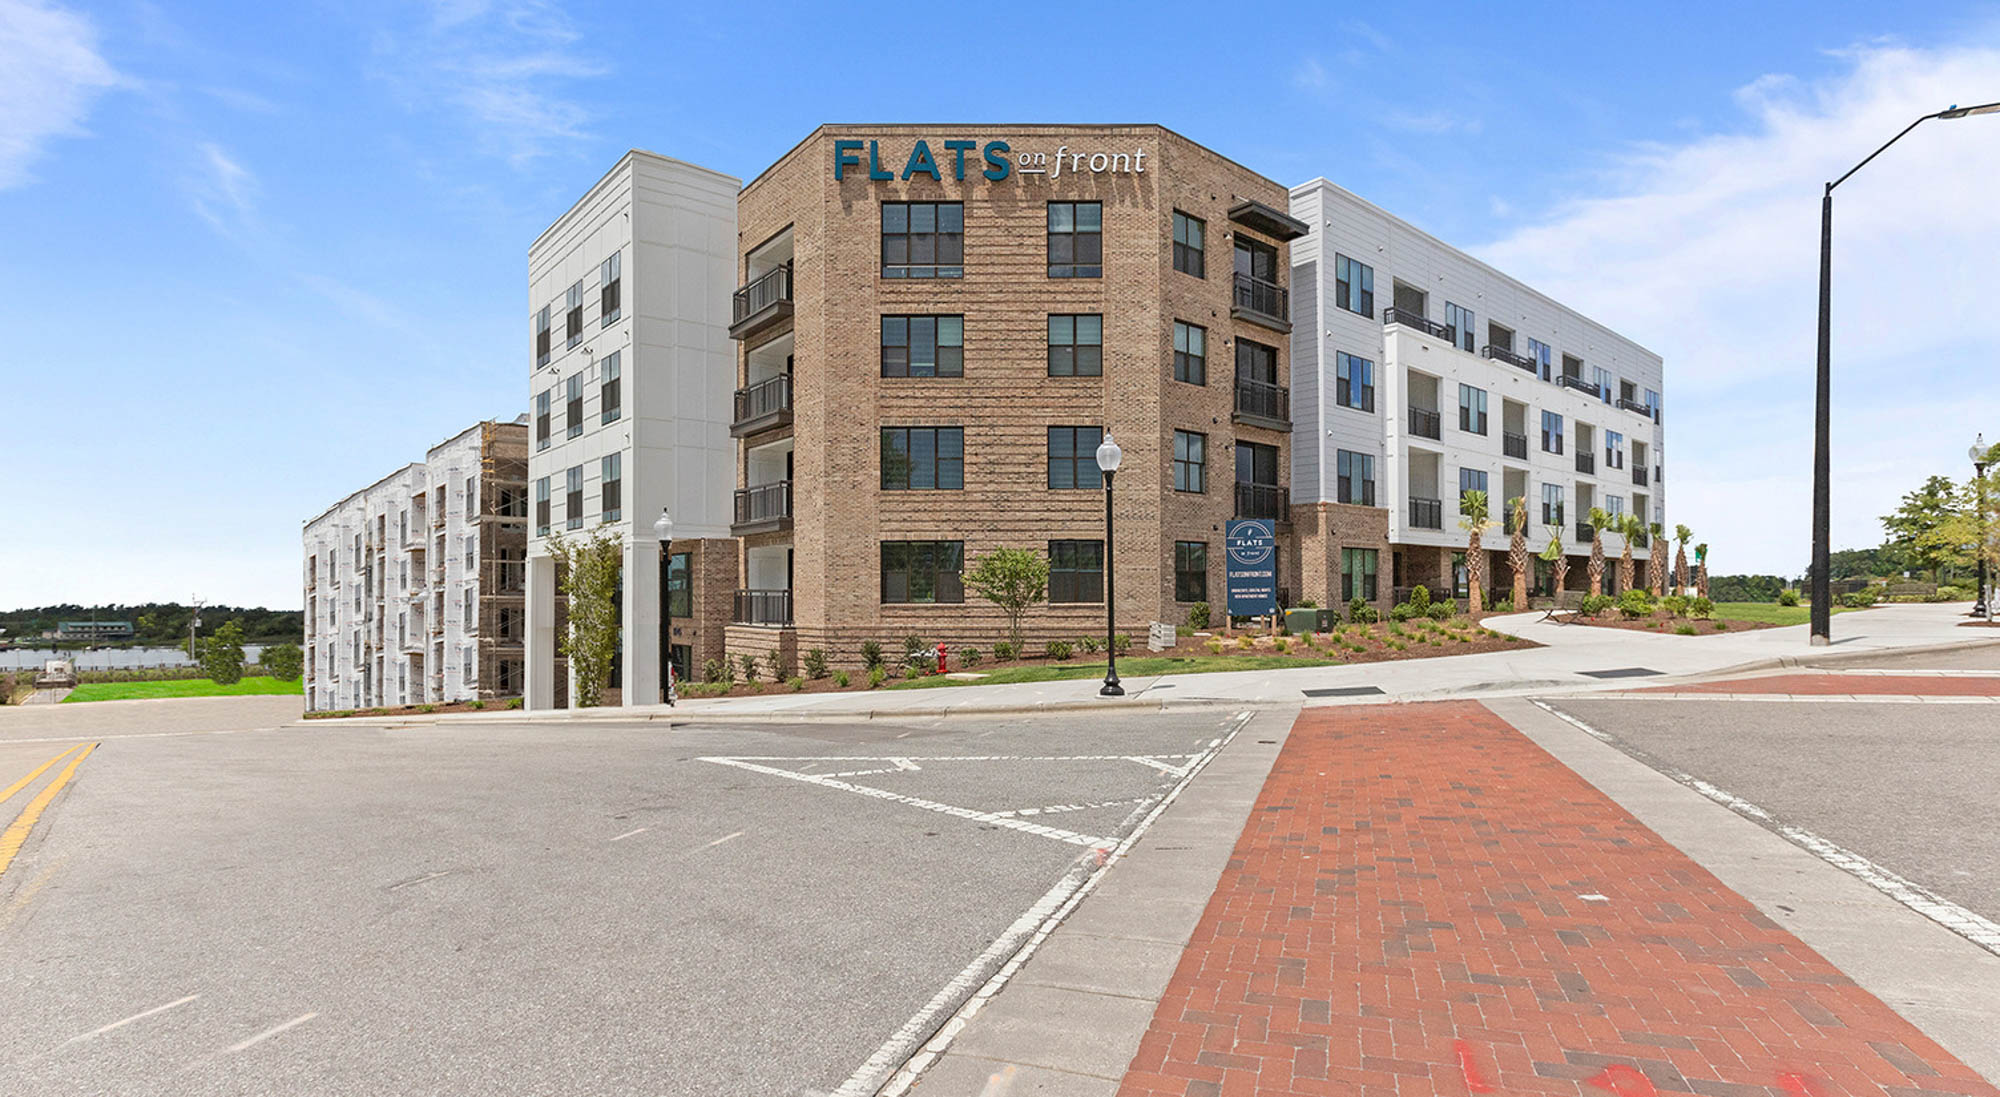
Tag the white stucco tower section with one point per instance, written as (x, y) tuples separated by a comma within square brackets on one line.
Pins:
[(629, 398)]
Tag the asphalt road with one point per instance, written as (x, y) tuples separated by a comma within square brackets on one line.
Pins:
[(534, 908)]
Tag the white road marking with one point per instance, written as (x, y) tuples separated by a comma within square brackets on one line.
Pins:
[(269, 1032), (897, 765), (823, 781), (1018, 943), (724, 838), (630, 833), (1980, 931), (1055, 808), (1171, 771), (415, 880), (936, 758), (135, 1017)]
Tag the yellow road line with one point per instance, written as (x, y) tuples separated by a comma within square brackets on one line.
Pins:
[(17, 832), (30, 778)]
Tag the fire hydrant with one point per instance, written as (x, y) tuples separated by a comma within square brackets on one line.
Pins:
[(943, 666)]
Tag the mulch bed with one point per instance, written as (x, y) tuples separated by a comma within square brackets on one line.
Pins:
[(1666, 625)]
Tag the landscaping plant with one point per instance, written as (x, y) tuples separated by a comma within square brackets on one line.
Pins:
[(1517, 554), (1600, 520), (1475, 520), (589, 569), (1012, 579)]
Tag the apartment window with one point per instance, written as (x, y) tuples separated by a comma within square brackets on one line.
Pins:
[(1604, 381), (1460, 576), (1357, 477), (1354, 382), (1257, 465), (1458, 325), (1552, 504), (923, 240), (1471, 409), (1653, 404), (542, 507), (573, 315), (513, 502), (1076, 240), (1552, 432), (1543, 358), (542, 419), (1076, 345), (1190, 571), (1354, 286), (1188, 255), (542, 337), (1470, 480), (610, 397), (1614, 505), (471, 496), (923, 346), (680, 593), (1076, 571), (922, 572), (573, 497), (611, 486), (471, 553), (1256, 362), (923, 458), (1190, 353), (1073, 458), (509, 620), (1357, 574), (471, 619), (608, 275), (1614, 450), (1190, 461), (573, 406)]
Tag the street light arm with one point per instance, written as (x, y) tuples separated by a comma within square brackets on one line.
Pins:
[(1951, 112)]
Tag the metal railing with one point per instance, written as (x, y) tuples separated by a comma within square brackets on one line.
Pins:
[(1514, 445), (1411, 319), (763, 607), (1586, 461), (767, 397), (1264, 298), (1425, 423), (764, 502), (1262, 501), (1585, 533), (1579, 384), (1629, 404), (1639, 476), (1426, 513), (770, 289), (1264, 400), (1502, 354)]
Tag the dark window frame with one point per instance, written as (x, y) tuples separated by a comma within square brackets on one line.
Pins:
[(1356, 486), (898, 359), (1190, 365), (1073, 470), (1076, 572), (936, 251), (1190, 571), (1345, 294), (1191, 462), (942, 563), (1471, 419), (610, 486), (945, 473), (610, 389), (1073, 250), (1343, 382), (1360, 581), (1190, 236), (611, 276), (1075, 358)]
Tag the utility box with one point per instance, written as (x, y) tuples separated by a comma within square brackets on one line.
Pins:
[(1300, 621)]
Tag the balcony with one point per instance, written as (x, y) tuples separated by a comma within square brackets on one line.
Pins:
[(1411, 319), (1261, 302), (1629, 404), (1585, 533), (1639, 476), (1426, 513), (1586, 462), (1424, 423), (1263, 501), (765, 508), (1514, 445), (1274, 223), (763, 607), (763, 406), (510, 576), (1261, 404), (1579, 384), (1502, 354), (761, 304)]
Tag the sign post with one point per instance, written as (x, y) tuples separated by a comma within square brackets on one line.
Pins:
[(1251, 561)]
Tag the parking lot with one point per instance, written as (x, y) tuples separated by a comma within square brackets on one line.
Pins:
[(575, 907)]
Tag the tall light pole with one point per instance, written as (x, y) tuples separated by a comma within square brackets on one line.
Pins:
[(663, 528), (1981, 457), (1822, 612), (1108, 458)]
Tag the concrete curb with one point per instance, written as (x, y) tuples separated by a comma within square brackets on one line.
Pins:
[(673, 716)]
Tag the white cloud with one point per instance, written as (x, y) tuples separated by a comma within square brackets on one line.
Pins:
[(1706, 250), (50, 75), (222, 190)]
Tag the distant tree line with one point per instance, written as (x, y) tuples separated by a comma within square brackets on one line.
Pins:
[(159, 623)]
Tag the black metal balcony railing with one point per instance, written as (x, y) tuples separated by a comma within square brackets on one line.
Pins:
[(1514, 445), (1270, 299), (1263, 400), (1426, 513), (767, 398), (1586, 462), (1629, 404), (764, 607), (773, 288), (1639, 476), (1579, 384), (1412, 319), (1641, 539), (1262, 501), (1424, 422), (1585, 533), (1502, 354), (764, 503)]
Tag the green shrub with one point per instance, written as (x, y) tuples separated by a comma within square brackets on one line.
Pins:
[(1361, 613), (1198, 615), (877, 674), (1700, 607), (969, 656), (912, 644), (513, 702), (1120, 642), (727, 676), (1635, 603), (1405, 610), (871, 654), (1420, 599), (1504, 605), (476, 705), (771, 662), (1684, 630), (1675, 604), (749, 663), (797, 683), (1283, 645), (1788, 597), (1594, 604), (1441, 611), (1089, 644), (1721, 626), (1003, 650), (840, 678), (285, 661), (815, 662), (1058, 649), (1215, 645), (711, 670), (427, 708), (912, 672), (1858, 599), (1244, 641)]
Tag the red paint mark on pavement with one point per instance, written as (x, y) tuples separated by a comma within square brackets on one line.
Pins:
[(1797, 1085), (1625, 1081), (1474, 1081)]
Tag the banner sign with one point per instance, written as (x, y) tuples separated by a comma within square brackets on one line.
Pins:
[(1251, 560)]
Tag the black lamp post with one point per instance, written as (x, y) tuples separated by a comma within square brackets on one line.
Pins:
[(663, 528), (1981, 457), (1822, 611), (1108, 458)]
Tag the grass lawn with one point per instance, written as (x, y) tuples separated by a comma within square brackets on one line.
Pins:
[(1771, 612), (184, 687), (1141, 666)]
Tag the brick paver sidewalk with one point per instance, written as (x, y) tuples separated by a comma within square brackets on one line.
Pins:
[(1905, 685), (1426, 902)]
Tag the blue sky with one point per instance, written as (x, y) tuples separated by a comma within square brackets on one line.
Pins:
[(258, 255)]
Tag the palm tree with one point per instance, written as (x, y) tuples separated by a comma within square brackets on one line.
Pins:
[(1517, 553), (1656, 561), (1600, 520), (1628, 527), (1558, 559), (1701, 559), (1681, 536), (1477, 518)]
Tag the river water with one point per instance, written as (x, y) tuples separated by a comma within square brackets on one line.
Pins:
[(110, 658)]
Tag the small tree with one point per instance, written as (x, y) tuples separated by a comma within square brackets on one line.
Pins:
[(1012, 579), (1701, 561), (1682, 535), (1558, 559), (591, 565), (222, 655), (1600, 520), (1656, 561), (1629, 528), (1517, 551), (1477, 519), (283, 661)]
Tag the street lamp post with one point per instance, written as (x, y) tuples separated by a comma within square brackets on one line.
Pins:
[(1981, 457), (1822, 611), (1108, 458), (663, 528)]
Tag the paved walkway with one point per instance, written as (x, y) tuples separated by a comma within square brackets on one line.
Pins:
[(1388, 926), (1852, 685)]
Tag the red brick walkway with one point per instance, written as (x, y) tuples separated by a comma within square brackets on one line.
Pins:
[(1865, 684), (1426, 902)]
